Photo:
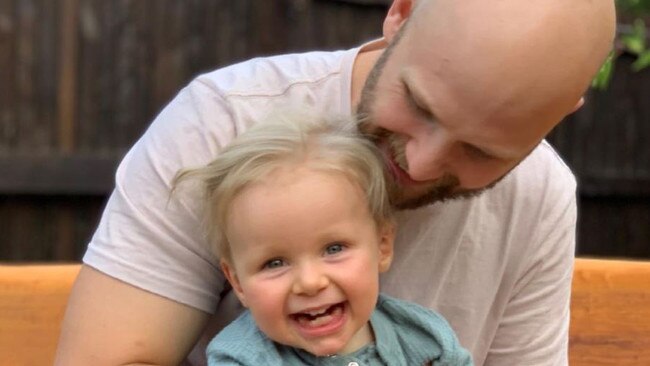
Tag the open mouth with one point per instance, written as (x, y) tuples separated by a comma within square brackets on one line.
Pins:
[(399, 174), (388, 155), (319, 317)]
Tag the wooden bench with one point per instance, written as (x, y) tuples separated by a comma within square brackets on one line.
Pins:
[(610, 312), (32, 303)]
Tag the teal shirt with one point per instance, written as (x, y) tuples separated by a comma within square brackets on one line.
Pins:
[(406, 334)]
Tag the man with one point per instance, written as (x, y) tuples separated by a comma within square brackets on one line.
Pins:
[(459, 96)]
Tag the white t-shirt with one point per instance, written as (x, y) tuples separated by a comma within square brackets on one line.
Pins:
[(497, 266)]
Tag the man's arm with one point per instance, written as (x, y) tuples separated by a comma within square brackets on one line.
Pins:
[(534, 326), (109, 322), (149, 249)]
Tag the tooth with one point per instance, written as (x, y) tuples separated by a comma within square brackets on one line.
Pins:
[(316, 312)]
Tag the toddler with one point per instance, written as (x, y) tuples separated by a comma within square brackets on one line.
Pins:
[(298, 211)]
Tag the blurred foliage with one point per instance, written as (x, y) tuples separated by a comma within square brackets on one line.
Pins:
[(633, 7), (631, 38)]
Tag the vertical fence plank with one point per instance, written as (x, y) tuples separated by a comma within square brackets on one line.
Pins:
[(25, 122), (48, 43), (32, 124), (90, 80), (7, 75), (67, 93), (67, 97)]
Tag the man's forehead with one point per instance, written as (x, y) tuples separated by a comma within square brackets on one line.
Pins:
[(531, 57), (552, 35)]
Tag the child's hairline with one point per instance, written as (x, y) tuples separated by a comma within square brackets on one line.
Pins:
[(281, 167), (310, 165)]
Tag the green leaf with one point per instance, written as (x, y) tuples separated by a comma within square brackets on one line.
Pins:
[(639, 27), (635, 42), (642, 61), (604, 75)]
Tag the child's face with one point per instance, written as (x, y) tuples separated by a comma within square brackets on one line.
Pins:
[(306, 257)]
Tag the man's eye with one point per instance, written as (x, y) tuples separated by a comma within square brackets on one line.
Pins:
[(334, 248), (478, 153), (415, 106), (274, 263), (419, 110)]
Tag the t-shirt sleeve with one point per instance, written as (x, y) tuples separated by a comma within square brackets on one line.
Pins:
[(146, 236), (534, 326)]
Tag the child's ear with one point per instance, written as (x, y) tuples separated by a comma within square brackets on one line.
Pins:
[(387, 239), (231, 275)]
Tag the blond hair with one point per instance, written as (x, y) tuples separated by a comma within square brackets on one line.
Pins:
[(323, 143)]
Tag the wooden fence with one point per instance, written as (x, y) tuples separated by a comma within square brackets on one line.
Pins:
[(607, 144), (81, 79)]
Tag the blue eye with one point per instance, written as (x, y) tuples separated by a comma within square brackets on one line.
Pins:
[(274, 263), (334, 248)]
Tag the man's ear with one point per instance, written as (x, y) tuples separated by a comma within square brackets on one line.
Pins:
[(230, 274), (399, 11), (387, 239)]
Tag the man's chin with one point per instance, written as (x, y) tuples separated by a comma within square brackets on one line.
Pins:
[(435, 195)]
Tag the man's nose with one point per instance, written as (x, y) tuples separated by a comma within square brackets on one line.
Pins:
[(428, 156), (309, 280)]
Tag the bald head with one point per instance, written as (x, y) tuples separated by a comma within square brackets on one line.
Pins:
[(467, 89), (513, 57)]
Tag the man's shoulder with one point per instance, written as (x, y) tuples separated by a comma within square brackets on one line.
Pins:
[(543, 175), (547, 158), (273, 75)]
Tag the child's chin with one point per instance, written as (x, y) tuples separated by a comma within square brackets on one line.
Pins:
[(322, 350)]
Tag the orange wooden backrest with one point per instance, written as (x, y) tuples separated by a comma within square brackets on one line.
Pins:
[(610, 312), (32, 303)]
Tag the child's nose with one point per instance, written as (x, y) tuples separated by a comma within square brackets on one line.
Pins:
[(309, 281)]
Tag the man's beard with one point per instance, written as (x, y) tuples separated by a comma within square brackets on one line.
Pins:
[(393, 145), (447, 187)]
